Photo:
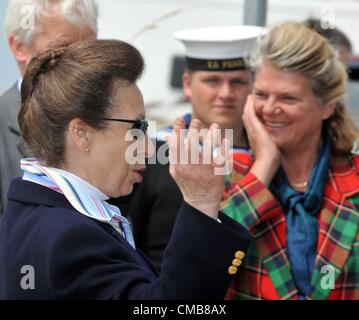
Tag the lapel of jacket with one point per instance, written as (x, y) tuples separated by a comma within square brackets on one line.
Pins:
[(271, 243), (270, 240), (338, 226), (13, 124), (21, 145)]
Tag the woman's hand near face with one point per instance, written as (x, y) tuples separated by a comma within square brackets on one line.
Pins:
[(266, 152), (201, 187)]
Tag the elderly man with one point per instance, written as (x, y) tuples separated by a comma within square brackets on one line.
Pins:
[(31, 27), (217, 83)]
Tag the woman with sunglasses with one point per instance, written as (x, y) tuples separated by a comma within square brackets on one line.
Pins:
[(59, 238)]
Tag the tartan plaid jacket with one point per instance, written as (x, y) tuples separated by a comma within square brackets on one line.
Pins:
[(266, 272)]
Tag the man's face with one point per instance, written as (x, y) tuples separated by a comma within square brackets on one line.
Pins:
[(218, 97), (55, 31)]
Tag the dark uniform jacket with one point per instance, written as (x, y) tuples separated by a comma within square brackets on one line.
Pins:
[(76, 257), (154, 205)]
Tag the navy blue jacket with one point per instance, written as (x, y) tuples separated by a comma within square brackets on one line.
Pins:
[(76, 257)]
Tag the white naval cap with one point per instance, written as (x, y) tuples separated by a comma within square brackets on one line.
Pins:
[(219, 48)]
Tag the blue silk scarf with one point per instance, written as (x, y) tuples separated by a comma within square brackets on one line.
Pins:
[(301, 211)]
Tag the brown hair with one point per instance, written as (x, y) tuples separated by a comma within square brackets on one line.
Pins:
[(294, 47), (76, 81)]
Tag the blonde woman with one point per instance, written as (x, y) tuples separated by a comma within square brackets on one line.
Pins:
[(299, 194)]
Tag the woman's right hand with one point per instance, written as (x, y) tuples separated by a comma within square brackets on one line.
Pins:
[(200, 180), (267, 155)]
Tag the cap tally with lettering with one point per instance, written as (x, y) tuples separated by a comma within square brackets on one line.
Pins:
[(219, 48)]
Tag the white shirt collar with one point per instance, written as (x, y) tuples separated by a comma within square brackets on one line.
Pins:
[(83, 185), (19, 83)]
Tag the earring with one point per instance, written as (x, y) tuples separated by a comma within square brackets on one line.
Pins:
[(87, 149)]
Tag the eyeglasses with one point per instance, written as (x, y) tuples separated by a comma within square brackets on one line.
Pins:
[(141, 125)]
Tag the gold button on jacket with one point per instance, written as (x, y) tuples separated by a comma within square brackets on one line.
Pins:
[(239, 255), (236, 262), (232, 270)]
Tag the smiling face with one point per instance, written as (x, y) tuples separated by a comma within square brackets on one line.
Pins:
[(218, 97), (109, 169), (288, 108)]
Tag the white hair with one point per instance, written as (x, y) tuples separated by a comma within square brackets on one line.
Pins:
[(23, 16)]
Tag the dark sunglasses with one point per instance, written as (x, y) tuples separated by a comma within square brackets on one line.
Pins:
[(141, 125)]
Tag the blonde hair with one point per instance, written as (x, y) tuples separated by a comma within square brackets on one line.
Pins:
[(293, 46)]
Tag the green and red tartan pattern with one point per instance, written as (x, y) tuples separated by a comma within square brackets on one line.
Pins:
[(266, 272)]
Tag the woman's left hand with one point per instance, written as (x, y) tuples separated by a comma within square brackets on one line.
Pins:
[(197, 172), (266, 151)]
